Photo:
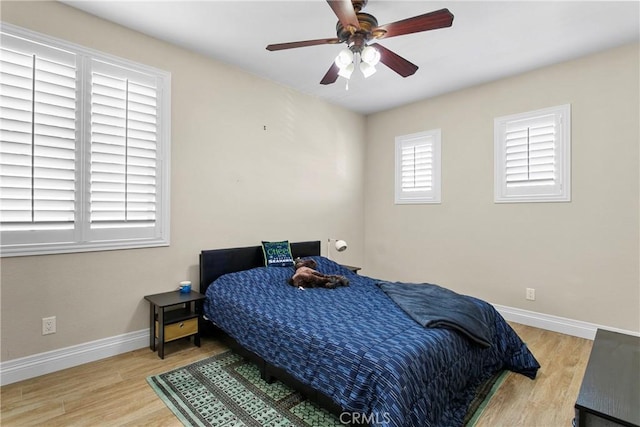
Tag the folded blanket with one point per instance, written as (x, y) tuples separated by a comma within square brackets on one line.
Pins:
[(433, 306)]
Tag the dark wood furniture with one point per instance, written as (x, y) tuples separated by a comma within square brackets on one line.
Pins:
[(216, 262), (610, 391), (213, 264), (182, 321)]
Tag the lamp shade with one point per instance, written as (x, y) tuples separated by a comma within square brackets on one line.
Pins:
[(344, 58), (341, 245), (370, 55), (346, 71), (367, 69), (338, 244)]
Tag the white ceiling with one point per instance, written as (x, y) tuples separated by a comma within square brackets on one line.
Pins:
[(488, 40)]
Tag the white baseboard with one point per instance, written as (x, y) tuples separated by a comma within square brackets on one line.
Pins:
[(24, 368), (27, 367), (576, 328)]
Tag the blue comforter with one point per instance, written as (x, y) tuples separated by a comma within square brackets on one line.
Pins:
[(357, 346)]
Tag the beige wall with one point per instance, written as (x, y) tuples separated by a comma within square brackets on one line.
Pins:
[(581, 257), (232, 184)]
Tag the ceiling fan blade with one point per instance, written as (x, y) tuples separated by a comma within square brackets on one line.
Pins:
[(331, 76), (345, 13), (305, 43), (395, 61), (429, 21)]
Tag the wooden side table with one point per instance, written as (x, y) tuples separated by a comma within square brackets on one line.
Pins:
[(173, 324)]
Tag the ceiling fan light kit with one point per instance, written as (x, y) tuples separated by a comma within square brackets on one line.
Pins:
[(346, 61), (358, 30)]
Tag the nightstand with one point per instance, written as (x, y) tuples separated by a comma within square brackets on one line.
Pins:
[(352, 268), (179, 322)]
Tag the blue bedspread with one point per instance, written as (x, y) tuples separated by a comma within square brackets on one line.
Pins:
[(357, 346)]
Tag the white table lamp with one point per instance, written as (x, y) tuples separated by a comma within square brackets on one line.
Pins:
[(339, 245)]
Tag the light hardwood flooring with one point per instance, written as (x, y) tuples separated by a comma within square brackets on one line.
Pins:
[(114, 391)]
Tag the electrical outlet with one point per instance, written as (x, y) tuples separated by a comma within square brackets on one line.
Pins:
[(531, 294), (48, 325)]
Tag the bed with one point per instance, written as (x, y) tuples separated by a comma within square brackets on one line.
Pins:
[(353, 349)]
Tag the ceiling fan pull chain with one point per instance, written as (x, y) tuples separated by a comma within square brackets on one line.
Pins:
[(347, 85)]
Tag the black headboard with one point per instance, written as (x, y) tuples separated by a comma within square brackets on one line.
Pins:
[(216, 262)]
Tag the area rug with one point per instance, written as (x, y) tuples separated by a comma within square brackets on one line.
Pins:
[(226, 390)]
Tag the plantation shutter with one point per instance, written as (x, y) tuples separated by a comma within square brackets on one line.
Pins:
[(124, 136), (38, 129), (418, 168), (84, 148), (530, 152)]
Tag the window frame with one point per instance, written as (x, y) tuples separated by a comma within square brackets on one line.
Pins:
[(531, 193), (433, 196), (83, 239)]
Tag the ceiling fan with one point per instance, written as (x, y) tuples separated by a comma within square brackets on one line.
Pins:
[(358, 29)]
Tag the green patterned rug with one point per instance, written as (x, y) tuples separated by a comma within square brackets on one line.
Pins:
[(226, 390)]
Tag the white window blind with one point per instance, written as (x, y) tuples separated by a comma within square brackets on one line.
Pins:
[(38, 100), (123, 149), (418, 168), (83, 149), (532, 156), (530, 152)]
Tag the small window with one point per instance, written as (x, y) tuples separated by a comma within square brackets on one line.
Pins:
[(532, 156), (418, 168), (84, 148)]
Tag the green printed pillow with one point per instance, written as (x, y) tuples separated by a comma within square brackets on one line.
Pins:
[(277, 254)]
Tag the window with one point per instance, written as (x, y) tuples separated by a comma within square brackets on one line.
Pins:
[(532, 156), (418, 168), (84, 148)]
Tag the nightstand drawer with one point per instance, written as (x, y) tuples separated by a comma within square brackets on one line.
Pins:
[(177, 330)]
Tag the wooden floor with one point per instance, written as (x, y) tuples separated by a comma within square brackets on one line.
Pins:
[(114, 391)]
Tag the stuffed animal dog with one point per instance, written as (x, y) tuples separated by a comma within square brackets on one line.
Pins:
[(307, 277)]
